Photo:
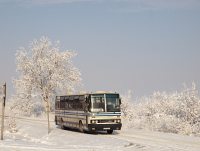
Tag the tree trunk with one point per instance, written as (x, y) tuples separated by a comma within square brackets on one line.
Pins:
[(48, 110)]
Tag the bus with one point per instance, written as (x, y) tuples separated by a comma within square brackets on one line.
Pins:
[(89, 112)]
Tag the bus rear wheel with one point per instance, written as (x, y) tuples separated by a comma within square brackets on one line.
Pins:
[(62, 126), (81, 127), (56, 120), (109, 131)]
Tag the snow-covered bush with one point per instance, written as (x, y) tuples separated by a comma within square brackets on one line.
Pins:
[(126, 107), (177, 112), (11, 121), (22, 106)]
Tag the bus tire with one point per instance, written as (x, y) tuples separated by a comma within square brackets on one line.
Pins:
[(109, 131), (81, 127), (62, 126), (56, 120)]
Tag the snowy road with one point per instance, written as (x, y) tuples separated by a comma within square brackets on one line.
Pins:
[(32, 136)]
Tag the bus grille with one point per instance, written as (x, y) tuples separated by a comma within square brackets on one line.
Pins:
[(106, 121)]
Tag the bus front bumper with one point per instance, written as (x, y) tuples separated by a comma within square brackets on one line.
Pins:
[(103, 127)]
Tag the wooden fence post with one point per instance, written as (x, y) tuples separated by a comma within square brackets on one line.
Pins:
[(3, 110)]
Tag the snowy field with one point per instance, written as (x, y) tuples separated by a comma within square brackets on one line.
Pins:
[(32, 136)]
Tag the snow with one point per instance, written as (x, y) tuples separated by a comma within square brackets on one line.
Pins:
[(32, 135)]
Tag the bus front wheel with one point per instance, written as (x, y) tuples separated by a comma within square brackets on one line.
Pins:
[(81, 126)]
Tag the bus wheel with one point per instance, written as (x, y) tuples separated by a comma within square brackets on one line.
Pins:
[(109, 131), (62, 124), (56, 120), (81, 126)]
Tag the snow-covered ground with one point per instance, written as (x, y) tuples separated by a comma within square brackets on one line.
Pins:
[(32, 136)]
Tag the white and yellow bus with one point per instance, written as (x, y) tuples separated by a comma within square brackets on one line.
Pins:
[(89, 112)]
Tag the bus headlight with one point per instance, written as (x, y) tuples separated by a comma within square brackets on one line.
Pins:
[(93, 115), (93, 121), (118, 121)]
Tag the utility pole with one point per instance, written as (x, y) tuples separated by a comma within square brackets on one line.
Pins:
[(3, 110)]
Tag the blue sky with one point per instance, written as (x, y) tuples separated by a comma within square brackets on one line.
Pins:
[(141, 45)]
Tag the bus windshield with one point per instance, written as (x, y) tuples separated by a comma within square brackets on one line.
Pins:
[(97, 103), (111, 100), (112, 103)]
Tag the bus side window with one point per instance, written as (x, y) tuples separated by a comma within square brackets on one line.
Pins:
[(57, 104), (66, 105), (69, 105), (74, 105), (85, 106)]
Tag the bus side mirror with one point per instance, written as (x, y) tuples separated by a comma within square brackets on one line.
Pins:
[(120, 101), (86, 99)]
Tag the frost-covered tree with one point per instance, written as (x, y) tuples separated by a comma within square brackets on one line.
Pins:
[(176, 112), (44, 70), (127, 105)]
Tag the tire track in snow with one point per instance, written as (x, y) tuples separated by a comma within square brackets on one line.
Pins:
[(140, 142)]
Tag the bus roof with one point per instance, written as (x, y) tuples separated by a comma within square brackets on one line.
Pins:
[(92, 93)]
